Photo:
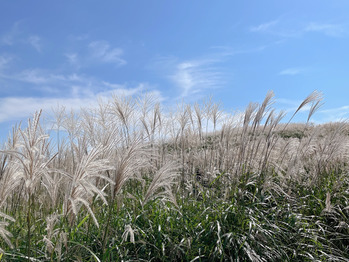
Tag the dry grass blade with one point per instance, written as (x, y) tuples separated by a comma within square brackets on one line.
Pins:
[(127, 162), (128, 232), (5, 234), (263, 109), (163, 179), (314, 107), (124, 109), (313, 97), (82, 187)]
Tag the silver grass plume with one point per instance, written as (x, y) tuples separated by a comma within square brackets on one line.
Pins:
[(4, 234), (163, 179), (82, 184), (127, 162), (129, 232), (31, 158)]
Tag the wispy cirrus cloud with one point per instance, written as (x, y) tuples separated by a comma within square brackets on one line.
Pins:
[(5, 60), (335, 114), (96, 52), (292, 71), (195, 76), (35, 42), (264, 27), (191, 77), (335, 30), (102, 51), (47, 87), (73, 58), (16, 107), (287, 29), (10, 37), (17, 36), (48, 83), (40, 77)]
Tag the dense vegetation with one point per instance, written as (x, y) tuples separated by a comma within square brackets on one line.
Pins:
[(129, 181)]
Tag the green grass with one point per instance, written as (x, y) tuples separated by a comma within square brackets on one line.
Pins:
[(252, 223)]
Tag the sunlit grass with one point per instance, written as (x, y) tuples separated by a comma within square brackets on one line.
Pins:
[(128, 182)]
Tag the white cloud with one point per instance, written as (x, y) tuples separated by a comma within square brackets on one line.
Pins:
[(35, 41), (335, 114), (327, 29), (97, 52), (196, 75), (264, 27), (34, 76), (69, 90), (123, 91), (291, 71), (41, 77), (5, 60), (72, 58), (185, 78), (288, 29), (74, 85), (191, 77), (344, 109), (17, 108), (101, 51), (140, 89), (9, 37), (16, 36)]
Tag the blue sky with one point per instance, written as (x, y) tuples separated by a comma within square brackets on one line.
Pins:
[(69, 52)]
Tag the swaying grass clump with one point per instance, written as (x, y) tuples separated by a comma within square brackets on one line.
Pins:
[(125, 181)]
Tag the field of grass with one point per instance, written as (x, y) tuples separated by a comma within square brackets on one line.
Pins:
[(131, 181)]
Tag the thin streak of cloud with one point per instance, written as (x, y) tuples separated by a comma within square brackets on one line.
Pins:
[(264, 26), (96, 52), (228, 51), (16, 108), (335, 114), (73, 59), (34, 76), (40, 77), (289, 30), (344, 109), (101, 51), (291, 71), (335, 30), (35, 41), (9, 38), (5, 60), (194, 76), (49, 84), (16, 36)]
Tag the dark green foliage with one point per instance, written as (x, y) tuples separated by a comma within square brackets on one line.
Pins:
[(291, 134), (253, 223)]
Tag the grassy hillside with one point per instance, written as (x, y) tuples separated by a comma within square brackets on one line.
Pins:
[(130, 181)]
